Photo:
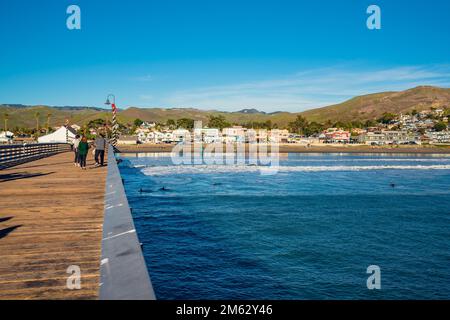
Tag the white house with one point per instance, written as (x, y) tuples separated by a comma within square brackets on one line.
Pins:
[(127, 140), (156, 137), (278, 136), (233, 134), (438, 137), (147, 125), (206, 135), (59, 135), (181, 135)]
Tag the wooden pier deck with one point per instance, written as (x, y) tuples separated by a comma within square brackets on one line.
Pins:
[(51, 216)]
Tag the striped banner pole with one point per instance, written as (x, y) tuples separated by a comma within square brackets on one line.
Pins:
[(67, 130), (115, 126)]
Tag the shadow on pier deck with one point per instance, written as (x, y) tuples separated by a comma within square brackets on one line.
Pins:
[(51, 216)]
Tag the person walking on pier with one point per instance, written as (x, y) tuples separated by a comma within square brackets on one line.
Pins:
[(76, 142), (100, 146), (83, 148)]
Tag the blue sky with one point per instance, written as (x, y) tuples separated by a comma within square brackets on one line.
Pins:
[(216, 54)]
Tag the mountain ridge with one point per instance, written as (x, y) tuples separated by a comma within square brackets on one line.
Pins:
[(361, 108)]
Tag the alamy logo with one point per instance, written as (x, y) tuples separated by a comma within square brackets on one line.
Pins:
[(374, 20), (203, 150), (74, 280), (73, 22), (374, 280)]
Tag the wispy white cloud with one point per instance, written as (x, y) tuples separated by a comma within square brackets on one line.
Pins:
[(146, 97), (309, 88), (143, 78)]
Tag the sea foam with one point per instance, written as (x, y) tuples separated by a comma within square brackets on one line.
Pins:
[(206, 169)]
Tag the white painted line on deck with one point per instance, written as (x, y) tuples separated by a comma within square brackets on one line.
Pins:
[(117, 205), (120, 234)]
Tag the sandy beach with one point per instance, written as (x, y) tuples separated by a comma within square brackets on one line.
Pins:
[(293, 148)]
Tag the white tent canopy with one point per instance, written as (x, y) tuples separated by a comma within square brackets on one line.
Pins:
[(59, 136), (6, 137)]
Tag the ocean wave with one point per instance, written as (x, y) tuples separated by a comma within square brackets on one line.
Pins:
[(373, 160), (207, 169)]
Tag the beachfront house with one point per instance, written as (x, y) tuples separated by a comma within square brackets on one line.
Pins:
[(261, 136), (181, 135), (142, 137), (155, 137), (141, 130), (438, 137), (372, 138), (147, 125), (61, 135), (207, 135), (235, 134), (158, 137), (299, 139), (401, 137), (389, 137), (250, 136), (335, 135), (127, 140), (278, 136)]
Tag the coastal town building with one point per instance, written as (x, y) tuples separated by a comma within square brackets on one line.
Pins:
[(299, 139), (335, 135), (250, 136), (279, 136), (235, 134), (127, 140), (389, 138), (358, 131), (438, 137), (261, 135), (207, 135), (181, 135), (147, 125)]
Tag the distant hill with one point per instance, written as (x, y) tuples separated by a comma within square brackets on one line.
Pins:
[(251, 111), (366, 107), (25, 116), (372, 106)]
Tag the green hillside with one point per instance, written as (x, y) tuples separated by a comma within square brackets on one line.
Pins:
[(372, 106), (367, 107)]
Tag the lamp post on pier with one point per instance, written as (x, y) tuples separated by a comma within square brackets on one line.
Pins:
[(115, 126)]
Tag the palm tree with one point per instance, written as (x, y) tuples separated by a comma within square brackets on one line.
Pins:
[(6, 121), (36, 116), (48, 121)]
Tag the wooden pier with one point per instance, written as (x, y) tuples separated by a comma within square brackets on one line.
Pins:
[(51, 216)]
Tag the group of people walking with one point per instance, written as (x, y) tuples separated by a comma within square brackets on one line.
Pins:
[(81, 148)]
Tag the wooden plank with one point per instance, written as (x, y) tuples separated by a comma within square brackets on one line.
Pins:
[(51, 216)]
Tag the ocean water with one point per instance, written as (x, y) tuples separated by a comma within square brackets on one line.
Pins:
[(308, 232)]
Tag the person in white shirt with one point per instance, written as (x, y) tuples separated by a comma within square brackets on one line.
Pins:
[(76, 142)]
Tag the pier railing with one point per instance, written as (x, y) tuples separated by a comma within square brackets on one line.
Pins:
[(12, 155)]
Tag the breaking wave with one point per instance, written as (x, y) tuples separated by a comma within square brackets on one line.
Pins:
[(205, 169)]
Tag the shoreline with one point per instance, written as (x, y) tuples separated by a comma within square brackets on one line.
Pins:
[(287, 148)]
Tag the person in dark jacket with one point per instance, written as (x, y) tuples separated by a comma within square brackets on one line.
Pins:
[(83, 149), (100, 146)]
